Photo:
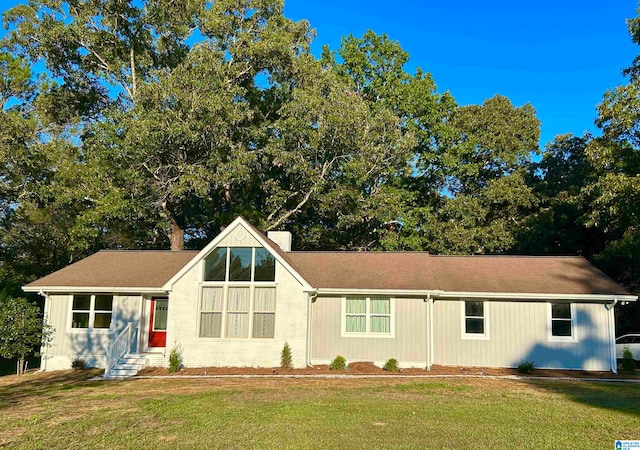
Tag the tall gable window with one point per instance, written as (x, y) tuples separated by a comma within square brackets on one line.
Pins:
[(240, 264), (368, 316), (215, 265), (91, 311), (474, 320), (238, 294)]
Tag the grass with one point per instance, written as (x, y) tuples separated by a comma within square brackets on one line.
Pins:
[(65, 410)]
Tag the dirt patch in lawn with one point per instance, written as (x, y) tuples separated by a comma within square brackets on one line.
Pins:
[(368, 368)]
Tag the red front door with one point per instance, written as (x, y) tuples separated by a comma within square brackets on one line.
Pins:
[(158, 322)]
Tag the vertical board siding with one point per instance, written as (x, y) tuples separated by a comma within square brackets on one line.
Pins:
[(409, 346), (290, 326), (518, 331), (88, 345), (247, 240)]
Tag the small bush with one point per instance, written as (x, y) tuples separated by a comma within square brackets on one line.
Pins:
[(339, 363), (175, 359), (391, 365), (286, 362), (526, 367), (628, 363), (78, 363)]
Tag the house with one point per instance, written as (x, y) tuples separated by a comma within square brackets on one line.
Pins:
[(237, 302)]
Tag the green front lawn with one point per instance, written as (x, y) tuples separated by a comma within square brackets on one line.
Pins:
[(63, 411)]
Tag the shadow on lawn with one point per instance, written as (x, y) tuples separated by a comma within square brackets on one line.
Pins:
[(617, 396), (43, 386)]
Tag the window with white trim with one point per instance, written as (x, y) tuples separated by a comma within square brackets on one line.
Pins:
[(474, 320), (238, 301), (368, 315), (238, 297), (89, 311), (211, 311), (264, 312), (561, 321)]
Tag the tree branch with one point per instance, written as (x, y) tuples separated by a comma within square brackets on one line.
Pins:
[(325, 168)]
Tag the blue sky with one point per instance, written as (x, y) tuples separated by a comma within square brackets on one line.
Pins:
[(560, 56)]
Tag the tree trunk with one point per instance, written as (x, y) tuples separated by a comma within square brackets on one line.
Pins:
[(20, 366), (176, 237)]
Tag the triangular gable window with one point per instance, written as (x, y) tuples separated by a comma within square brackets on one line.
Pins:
[(239, 264)]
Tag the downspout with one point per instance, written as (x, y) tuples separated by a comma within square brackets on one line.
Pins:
[(429, 350), (312, 296), (45, 315), (612, 333), (431, 346)]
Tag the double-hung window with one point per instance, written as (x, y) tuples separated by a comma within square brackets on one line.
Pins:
[(372, 316), (562, 323), (474, 320), (238, 298), (91, 311)]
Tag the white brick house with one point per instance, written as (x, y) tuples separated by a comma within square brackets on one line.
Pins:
[(237, 301)]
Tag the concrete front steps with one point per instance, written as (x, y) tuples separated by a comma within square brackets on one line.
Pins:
[(128, 366)]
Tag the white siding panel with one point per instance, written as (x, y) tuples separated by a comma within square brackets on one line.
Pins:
[(409, 346), (519, 331), (89, 345)]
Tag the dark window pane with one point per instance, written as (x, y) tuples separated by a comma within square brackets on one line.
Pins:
[(474, 326), (102, 320), (215, 265), (81, 302), (561, 327), (240, 264), (561, 310), (103, 302), (474, 309), (265, 265), (80, 320)]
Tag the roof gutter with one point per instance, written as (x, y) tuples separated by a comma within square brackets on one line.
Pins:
[(409, 292), (441, 294), (93, 289)]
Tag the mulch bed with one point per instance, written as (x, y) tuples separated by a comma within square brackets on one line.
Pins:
[(367, 368)]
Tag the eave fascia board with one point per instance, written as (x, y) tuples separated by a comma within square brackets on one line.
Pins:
[(539, 296), (439, 294), (407, 292), (94, 289)]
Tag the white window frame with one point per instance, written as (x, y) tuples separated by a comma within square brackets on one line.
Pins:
[(463, 322), (574, 329), (368, 333), (252, 285), (92, 314), (254, 311), (222, 311), (248, 312)]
